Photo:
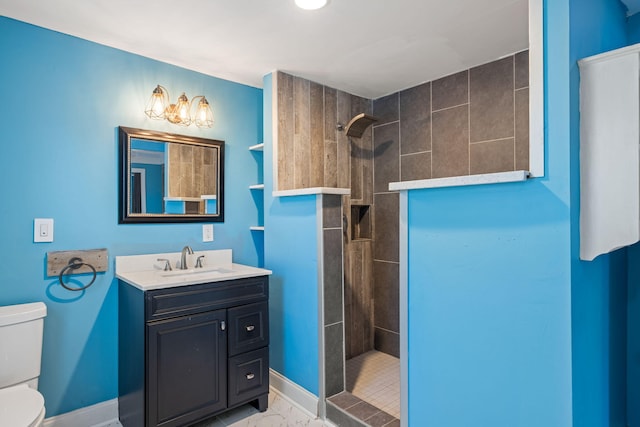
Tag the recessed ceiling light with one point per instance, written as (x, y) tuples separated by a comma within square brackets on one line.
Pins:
[(310, 4)]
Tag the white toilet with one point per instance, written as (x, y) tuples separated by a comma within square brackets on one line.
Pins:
[(20, 353)]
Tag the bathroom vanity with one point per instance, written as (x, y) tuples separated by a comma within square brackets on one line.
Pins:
[(192, 343)]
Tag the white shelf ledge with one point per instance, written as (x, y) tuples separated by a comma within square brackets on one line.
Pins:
[(257, 187), (257, 147), (313, 190), (458, 181), (257, 228)]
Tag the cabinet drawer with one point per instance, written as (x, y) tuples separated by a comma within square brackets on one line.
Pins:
[(179, 301), (248, 376), (248, 327)]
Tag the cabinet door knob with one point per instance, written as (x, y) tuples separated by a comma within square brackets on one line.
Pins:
[(250, 328), (223, 325), (250, 376)]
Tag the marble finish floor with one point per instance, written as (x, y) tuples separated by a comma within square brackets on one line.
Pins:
[(281, 413)]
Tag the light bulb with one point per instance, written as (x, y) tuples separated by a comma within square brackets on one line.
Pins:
[(182, 110), (310, 4)]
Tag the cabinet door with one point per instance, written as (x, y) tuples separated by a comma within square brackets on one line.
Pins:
[(187, 373)]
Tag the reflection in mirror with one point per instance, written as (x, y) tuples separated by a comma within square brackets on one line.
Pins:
[(170, 178)]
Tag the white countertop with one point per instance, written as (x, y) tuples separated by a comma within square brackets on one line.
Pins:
[(147, 273)]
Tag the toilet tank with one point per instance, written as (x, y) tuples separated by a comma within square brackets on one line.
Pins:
[(21, 329)]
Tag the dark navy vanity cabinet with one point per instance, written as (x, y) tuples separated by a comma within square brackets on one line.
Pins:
[(190, 352)]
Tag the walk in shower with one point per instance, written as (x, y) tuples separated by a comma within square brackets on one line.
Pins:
[(371, 268)]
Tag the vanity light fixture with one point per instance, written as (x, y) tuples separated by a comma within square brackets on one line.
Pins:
[(159, 107), (311, 4)]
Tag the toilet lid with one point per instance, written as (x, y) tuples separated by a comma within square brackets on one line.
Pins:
[(20, 405)]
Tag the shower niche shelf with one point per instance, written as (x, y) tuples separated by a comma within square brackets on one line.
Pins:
[(360, 222)]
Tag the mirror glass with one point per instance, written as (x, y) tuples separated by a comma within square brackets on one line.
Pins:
[(166, 177)]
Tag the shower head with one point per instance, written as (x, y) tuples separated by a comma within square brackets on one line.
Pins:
[(358, 125)]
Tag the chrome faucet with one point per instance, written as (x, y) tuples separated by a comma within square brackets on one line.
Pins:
[(183, 258)]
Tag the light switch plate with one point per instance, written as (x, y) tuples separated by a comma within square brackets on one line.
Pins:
[(43, 230), (207, 232)]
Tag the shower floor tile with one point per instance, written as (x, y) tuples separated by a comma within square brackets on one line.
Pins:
[(375, 378)]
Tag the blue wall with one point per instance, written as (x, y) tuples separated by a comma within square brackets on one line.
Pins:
[(633, 334), (496, 289), (598, 287), (63, 99), (633, 295), (490, 285), (291, 251)]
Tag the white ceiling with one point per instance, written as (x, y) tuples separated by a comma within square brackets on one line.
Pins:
[(366, 47)]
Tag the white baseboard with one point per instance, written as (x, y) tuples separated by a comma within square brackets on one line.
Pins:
[(103, 414), (293, 392)]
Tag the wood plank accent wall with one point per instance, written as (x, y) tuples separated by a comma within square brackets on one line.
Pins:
[(311, 151)]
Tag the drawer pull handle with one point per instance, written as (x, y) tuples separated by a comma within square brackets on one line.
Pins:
[(223, 325), (250, 376), (250, 328)]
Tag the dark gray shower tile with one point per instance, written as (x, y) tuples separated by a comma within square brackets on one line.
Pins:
[(341, 418), (386, 294), (385, 226), (386, 109), (380, 419), (345, 400), (394, 423), (331, 211), (522, 69), (334, 359), (387, 342), (522, 129), (450, 153), (491, 100), (415, 119), (415, 166), (492, 156), (450, 91), (386, 157), (333, 293), (415, 135), (363, 410), (360, 105)]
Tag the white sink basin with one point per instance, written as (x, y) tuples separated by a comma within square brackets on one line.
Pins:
[(205, 271)]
